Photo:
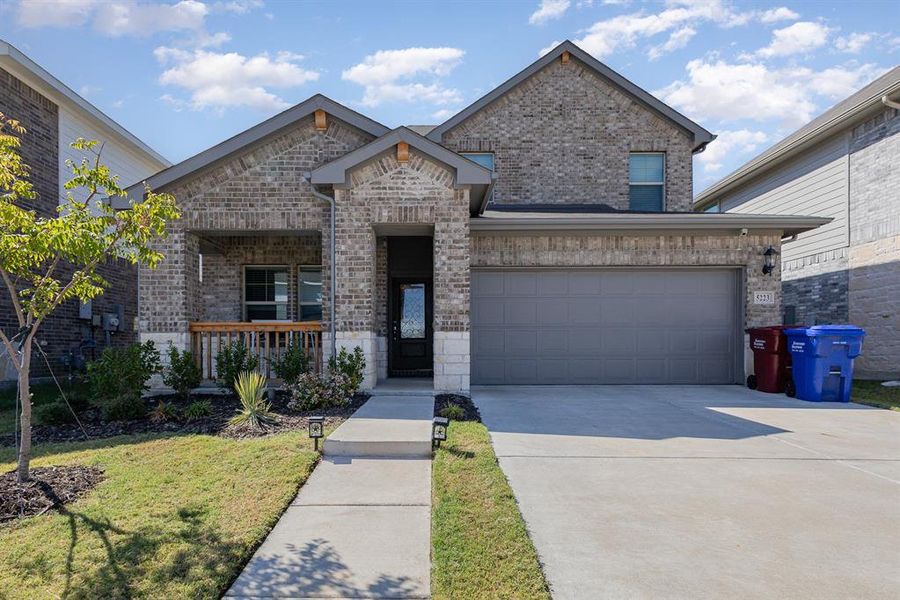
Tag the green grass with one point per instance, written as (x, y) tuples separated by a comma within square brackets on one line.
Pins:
[(480, 547), (875, 394), (175, 517)]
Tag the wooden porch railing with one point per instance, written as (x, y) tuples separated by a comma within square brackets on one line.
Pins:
[(266, 341)]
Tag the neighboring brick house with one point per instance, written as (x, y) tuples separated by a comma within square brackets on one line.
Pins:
[(542, 235), (841, 165), (54, 116)]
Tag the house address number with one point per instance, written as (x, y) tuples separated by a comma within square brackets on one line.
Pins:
[(763, 297)]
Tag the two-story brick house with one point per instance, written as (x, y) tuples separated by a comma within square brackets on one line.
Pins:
[(542, 235)]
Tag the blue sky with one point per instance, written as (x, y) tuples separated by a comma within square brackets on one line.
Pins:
[(185, 75)]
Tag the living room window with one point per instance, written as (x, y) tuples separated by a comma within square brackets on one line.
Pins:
[(309, 278), (266, 293), (646, 179)]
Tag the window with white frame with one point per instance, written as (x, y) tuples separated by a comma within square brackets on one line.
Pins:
[(309, 281), (647, 181), (266, 293)]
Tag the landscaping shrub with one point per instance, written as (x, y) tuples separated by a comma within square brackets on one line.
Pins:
[(182, 374), (453, 412), (232, 360), (197, 410), (351, 366), (255, 410), (54, 413), (163, 412), (312, 391), (118, 378), (293, 363)]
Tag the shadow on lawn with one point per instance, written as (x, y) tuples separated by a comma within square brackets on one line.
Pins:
[(314, 570), (131, 556)]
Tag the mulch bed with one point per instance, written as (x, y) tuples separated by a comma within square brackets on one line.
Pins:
[(441, 401), (49, 488), (216, 423)]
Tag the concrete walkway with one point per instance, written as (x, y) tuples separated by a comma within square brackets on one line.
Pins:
[(701, 491), (361, 525)]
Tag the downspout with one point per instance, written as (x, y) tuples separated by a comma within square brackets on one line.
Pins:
[(331, 321)]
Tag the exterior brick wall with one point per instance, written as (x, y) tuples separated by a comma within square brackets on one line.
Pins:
[(261, 189), (563, 137), (816, 287), (386, 192), (874, 262), (222, 294), (63, 332)]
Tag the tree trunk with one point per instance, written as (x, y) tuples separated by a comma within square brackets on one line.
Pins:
[(22, 472)]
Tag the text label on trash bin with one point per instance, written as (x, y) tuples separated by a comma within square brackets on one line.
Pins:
[(763, 297)]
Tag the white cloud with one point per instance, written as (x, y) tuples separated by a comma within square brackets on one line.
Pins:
[(854, 42), (678, 39), (444, 113), (88, 90), (385, 74), (732, 92), (625, 31), (730, 145), (774, 15), (239, 7), (798, 38), (549, 10), (222, 80), (54, 13)]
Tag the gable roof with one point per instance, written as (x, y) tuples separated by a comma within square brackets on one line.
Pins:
[(467, 172), (17, 63), (258, 132), (701, 135), (838, 116)]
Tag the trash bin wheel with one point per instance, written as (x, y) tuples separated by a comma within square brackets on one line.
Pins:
[(751, 382), (790, 388)]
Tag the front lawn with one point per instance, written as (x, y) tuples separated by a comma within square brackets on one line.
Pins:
[(875, 394), (480, 547), (174, 517)]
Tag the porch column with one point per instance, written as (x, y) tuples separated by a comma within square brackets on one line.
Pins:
[(451, 302), (169, 295), (354, 299)]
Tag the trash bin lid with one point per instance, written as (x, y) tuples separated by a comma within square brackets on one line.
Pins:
[(835, 330)]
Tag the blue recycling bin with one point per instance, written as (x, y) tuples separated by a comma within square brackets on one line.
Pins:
[(822, 358)]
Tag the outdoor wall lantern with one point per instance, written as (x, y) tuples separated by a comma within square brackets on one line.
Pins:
[(769, 256), (316, 429), (439, 430)]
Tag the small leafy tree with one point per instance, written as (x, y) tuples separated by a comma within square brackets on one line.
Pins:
[(85, 234)]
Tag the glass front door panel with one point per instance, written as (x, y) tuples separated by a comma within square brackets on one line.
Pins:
[(412, 311)]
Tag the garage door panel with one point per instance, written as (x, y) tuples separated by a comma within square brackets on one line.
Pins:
[(605, 326)]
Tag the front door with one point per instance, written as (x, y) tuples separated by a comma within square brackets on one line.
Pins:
[(411, 314)]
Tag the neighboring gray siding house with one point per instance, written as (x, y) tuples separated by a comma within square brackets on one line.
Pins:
[(542, 235), (842, 165)]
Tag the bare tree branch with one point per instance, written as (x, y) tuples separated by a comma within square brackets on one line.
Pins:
[(20, 315)]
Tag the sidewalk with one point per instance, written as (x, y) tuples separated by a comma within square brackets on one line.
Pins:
[(361, 525)]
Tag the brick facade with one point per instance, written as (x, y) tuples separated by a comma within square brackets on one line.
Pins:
[(874, 262), (384, 192), (63, 332), (816, 288), (563, 137)]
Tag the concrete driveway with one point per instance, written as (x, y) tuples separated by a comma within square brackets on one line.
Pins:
[(712, 492)]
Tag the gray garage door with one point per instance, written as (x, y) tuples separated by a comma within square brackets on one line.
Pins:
[(605, 326)]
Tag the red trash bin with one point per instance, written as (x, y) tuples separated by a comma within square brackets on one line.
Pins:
[(771, 358)]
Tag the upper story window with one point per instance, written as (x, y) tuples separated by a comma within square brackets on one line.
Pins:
[(647, 181), (712, 208), (266, 293), (485, 159)]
